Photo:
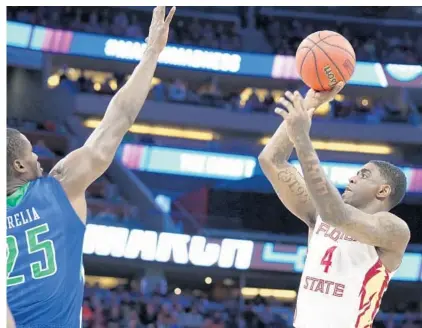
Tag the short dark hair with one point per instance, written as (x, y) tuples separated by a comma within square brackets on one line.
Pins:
[(395, 177), (15, 146)]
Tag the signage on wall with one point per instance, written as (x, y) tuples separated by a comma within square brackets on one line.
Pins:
[(200, 251)]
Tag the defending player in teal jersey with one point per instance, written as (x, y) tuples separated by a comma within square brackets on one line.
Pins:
[(46, 215)]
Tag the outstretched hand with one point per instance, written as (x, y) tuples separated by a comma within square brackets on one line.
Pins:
[(314, 99), (159, 28), (297, 117)]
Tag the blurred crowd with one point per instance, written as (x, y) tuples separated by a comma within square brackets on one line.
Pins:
[(209, 93), (371, 44), (127, 307), (374, 43)]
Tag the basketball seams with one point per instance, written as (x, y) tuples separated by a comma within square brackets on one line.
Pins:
[(339, 47), (332, 61), (316, 70), (310, 49)]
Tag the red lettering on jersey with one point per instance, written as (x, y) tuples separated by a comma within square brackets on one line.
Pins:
[(323, 227), (349, 238), (332, 233), (324, 286), (313, 283), (335, 234), (320, 286), (338, 290), (328, 284)]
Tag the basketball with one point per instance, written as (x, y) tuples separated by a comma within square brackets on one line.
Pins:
[(325, 58)]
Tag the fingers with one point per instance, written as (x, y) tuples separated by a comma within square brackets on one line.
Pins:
[(159, 13), (289, 95), (281, 112), (286, 103), (293, 101), (298, 101), (170, 15), (311, 112), (338, 87)]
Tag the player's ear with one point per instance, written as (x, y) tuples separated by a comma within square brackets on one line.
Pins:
[(384, 191), (19, 166)]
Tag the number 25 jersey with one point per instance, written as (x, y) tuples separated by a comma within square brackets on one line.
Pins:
[(44, 258), (342, 283)]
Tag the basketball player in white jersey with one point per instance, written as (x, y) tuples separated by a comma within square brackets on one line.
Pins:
[(355, 244)]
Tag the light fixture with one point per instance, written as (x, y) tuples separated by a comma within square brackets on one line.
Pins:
[(97, 86), (284, 294), (161, 130), (177, 291), (208, 280), (350, 147), (53, 81)]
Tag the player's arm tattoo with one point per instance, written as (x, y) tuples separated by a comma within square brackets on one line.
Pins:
[(290, 177), (383, 229), (285, 178), (282, 147), (324, 194)]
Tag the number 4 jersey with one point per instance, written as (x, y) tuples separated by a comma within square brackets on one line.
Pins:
[(44, 257), (342, 283)]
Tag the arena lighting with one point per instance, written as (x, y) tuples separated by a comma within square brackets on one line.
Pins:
[(177, 291), (97, 86), (53, 81), (208, 280), (164, 131), (113, 85), (349, 147), (105, 282), (284, 294)]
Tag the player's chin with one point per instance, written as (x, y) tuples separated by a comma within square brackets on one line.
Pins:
[(345, 199)]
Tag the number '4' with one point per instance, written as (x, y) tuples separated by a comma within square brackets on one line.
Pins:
[(326, 259)]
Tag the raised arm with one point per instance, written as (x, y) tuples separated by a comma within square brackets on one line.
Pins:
[(285, 179), (84, 165), (383, 230)]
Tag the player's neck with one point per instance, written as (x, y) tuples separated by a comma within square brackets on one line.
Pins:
[(373, 208), (14, 184)]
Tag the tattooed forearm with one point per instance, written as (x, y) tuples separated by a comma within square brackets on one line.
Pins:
[(279, 148), (325, 196), (289, 177)]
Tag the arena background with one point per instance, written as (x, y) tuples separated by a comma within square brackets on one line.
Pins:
[(184, 230)]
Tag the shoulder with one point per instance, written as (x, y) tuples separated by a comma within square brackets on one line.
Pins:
[(390, 220), (397, 231), (394, 227)]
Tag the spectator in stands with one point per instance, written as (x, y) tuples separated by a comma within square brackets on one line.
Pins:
[(253, 103), (120, 24), (42, 150), (158, 92), (93, 25), (177, 91), (249, 316), (134, 30), (87, 313), (192, 318), (265, 317), (166, 318), (210, 92)]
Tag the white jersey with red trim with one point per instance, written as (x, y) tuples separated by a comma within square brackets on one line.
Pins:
[(342, 283)]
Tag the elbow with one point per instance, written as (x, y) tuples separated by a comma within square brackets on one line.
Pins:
[(264, 161)]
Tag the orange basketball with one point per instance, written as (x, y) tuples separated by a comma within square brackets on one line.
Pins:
[(325, 58)]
